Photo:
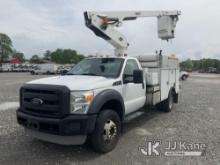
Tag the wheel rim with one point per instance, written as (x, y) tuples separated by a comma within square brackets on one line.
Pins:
[(171, 101), (110, 131)]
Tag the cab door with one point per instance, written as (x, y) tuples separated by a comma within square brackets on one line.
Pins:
[(133, 94)]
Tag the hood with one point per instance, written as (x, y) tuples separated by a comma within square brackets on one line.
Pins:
[(76, 82)]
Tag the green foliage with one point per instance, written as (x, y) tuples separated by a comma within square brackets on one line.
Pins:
[(200, 65), (59, 56), (187, 65), (5, 46), (35, 59), (65, 56), (47, 55)]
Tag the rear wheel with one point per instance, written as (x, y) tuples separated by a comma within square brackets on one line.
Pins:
[(107, 131), (167, 105)]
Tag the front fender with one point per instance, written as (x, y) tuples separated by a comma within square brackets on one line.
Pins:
[(102, 98)]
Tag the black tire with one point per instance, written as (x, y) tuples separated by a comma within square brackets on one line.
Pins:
[(184, 77), (167, 104), (159, 106), (97, 139)]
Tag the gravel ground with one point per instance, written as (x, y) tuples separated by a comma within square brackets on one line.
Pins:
[(196, 119)]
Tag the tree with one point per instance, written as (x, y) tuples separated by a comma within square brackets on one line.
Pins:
[(47, 55), (5, 46), (18, 55), (66, 56), (201, 65), (187, 65), (35, 59)]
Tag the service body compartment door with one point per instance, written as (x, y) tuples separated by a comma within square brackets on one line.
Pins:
[(177, 85), (165, 87), (172, 77)]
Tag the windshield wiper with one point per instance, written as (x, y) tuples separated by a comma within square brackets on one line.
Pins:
[(90, 74), (87, 74), (69, 74)]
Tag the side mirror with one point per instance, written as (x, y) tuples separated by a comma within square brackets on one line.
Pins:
[(138, 76)]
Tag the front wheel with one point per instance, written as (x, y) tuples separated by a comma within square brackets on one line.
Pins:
[(107, 131)]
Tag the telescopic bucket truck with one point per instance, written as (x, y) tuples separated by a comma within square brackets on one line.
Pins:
[(92, 100)]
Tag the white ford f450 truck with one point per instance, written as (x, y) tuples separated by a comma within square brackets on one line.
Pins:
[(91, 101)]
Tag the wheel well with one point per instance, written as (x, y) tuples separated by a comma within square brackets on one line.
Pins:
[(116, 106)]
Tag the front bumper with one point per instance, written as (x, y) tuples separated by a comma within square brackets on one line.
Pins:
[(57, 139), (57, 128)]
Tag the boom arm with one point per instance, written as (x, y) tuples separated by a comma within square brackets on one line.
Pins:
[(103, 25)]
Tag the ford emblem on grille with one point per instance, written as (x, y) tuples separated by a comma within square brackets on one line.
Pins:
[(37, 101)]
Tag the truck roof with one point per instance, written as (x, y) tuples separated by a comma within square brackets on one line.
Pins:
[(125, 57)]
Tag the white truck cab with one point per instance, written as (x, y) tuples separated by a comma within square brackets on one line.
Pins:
[(92, 100)]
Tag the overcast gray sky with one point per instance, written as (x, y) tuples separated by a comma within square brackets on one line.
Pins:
[(38, 25)]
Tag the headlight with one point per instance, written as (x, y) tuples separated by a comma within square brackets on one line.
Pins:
[(80, 101)]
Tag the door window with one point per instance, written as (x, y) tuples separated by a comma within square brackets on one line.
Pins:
[(131, 65)]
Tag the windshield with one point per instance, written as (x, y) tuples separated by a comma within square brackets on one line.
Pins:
[(107, 67)]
